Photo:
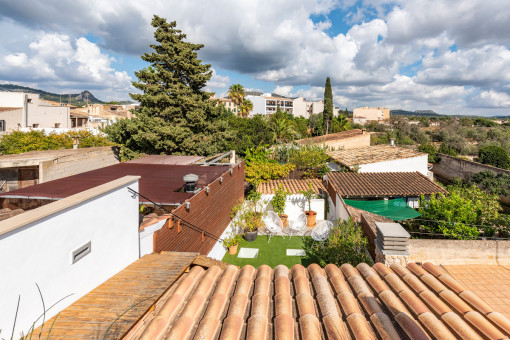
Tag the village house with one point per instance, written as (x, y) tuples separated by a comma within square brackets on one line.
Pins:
[(19, 110), (381, 158), (363, 115)]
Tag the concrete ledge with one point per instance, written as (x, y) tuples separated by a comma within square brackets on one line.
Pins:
[(31, 216)]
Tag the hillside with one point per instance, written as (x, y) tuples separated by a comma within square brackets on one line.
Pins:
[(419, 113), (78, 99)]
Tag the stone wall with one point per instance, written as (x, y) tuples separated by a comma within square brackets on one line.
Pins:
[(451, 252), (74, 164), (450, 167)]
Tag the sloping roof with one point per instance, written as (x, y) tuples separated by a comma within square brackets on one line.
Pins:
[(372, 154), (132, 291), (377, 184), (333, 136), (294, 186), (159, 182), (167, 159), (312, 303)]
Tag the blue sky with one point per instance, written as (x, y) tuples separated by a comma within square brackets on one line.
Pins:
[(406, 54)]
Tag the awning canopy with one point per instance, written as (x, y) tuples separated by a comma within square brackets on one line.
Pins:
[(395, 209)]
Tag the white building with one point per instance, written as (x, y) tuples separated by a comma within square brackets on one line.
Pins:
[(67, 248), (382, 158), (363, 115), (27, 110), (267, 104)]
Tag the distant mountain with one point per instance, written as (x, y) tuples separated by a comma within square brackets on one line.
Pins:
[(78, 99), (421, 113)]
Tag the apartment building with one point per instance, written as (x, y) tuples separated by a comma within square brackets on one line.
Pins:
[(364, 115), (229, 104), (27, 110), (268, 104), (305, 108)]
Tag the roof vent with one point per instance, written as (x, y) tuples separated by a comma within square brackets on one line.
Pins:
[(191, 180)]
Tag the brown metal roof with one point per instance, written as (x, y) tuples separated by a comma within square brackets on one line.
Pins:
[(167, 159), (159, 182), (294, 186), (332, 136), (346, 302), (372, 154), (375, 184)]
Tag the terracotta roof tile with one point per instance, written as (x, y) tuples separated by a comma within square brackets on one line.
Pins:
[(378, 184), (372, 154), (294, 186), (311, 303)]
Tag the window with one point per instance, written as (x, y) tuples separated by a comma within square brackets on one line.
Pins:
[(57, 125), (2, 125), (35, 126), (29, 100), (81, 252)]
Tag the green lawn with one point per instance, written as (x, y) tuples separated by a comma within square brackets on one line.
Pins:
[(272, 253)]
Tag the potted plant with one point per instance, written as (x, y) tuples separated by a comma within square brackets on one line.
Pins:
[(231, 242), (247, 218), (310, 214), (278, 204)]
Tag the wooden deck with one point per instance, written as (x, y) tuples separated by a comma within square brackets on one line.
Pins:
[(110, 310)]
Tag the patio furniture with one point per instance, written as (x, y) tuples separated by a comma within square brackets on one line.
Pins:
[(298, 225), (273, 224), (321, 232)]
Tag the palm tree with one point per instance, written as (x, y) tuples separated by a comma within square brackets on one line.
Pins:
[(236, 93), (246, 107), (282, 128)]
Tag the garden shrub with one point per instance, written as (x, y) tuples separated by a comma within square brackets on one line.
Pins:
[(495, 156)]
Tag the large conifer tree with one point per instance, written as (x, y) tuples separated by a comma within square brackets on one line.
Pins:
[(328, 105), (175, 115)]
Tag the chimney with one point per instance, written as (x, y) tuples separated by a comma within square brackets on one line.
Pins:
[(363, 131), (76, 142), (392, 141), (190, 180)]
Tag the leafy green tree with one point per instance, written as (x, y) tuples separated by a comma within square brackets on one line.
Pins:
[(431, 150), (175, 115), (260, 167), (447, 150), (492, 183), (312, 160), (328, 105), (236, 93), (340, 123), (248, 132), (346, 244), (19, 142), (316, 124), (282, 127), (495, 156), (246, 107), (460, 213)]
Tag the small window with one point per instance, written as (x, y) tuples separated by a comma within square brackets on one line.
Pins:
[(81, 252), (29, 100), (2, 125), (35, 126), (57, 125)]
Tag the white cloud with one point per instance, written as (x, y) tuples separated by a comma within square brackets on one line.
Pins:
[(63, 62), (490, 99), (217, 81)]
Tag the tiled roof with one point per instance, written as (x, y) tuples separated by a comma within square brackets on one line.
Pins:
[(294, 186), (372, 154), (312, 303), (332, 136), (375, 184)]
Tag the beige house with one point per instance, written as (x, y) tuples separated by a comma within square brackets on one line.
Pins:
[(344, 140), (27, 110), (305, 108), (364, 115), (229, 104)]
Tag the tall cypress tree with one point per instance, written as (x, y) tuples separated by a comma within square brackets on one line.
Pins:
[(328, 105), (175, 115)]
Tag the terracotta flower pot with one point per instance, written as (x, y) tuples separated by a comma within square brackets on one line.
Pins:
[(232, 250), (310, 218), (284, 220)]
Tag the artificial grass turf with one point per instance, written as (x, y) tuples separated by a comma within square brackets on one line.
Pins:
[(272, 253)]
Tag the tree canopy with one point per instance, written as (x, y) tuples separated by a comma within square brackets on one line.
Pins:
[(175, 115), (328, 105)]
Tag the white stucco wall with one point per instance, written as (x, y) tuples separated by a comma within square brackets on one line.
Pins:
[(147, 238), (40, 250), (341, 210), (259, 105), (399, 165), (296, 204)]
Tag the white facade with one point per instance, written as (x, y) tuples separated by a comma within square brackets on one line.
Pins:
[(33, 112), (303, 108), (297, 204), (40, 246), (412, 164)]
